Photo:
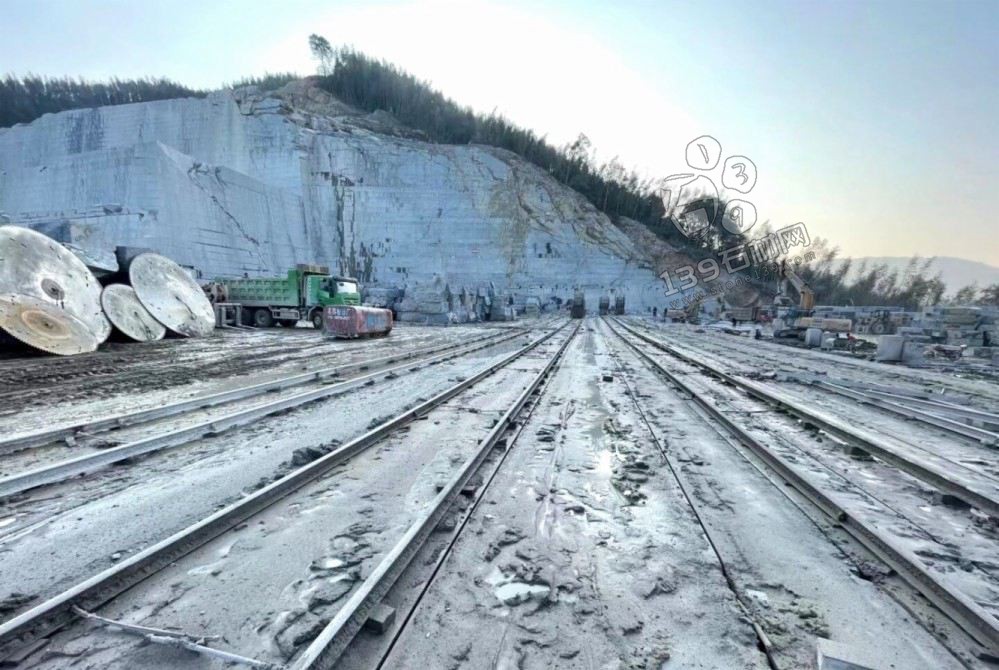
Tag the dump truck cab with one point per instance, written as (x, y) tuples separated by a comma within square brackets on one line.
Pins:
[(326, 290), (322, 290)]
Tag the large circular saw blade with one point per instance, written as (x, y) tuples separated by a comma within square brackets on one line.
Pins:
[(43, 272), (128, 315), (171, 295), (45, 326)]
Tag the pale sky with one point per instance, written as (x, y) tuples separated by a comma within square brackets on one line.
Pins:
[(873, 123)]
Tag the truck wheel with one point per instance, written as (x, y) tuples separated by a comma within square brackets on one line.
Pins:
[(262, 318), (317, 320)]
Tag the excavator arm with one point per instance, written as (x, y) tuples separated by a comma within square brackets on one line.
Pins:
[(806, 297)]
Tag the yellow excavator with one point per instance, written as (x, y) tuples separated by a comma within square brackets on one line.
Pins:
[(689, 313), (793, 320)]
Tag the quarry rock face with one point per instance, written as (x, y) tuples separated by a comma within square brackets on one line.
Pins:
[(250, 183)]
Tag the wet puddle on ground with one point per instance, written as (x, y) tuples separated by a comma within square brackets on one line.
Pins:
[(605, 463), (512, 593)]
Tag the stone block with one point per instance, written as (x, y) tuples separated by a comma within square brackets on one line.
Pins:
[(913, 352), (890, 348), (380, 619), (813, 337), (831, 655)]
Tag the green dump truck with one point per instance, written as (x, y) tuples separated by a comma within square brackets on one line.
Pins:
[(301, 295)]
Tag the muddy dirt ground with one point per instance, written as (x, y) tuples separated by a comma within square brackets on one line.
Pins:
[(621, 529)]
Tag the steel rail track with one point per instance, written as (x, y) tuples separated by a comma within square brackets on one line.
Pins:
[(63, 470), (94, 426), (910, 400), (972, 416), (440, 557), (330, 644), (770, 350), (971, 486), (56, 612), (912, 408), (964, 611), (762, 638), (979, 435), (45, 373)]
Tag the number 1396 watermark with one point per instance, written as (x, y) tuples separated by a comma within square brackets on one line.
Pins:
[(692, 202)]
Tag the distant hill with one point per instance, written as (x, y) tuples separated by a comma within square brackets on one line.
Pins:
[(955, 272)]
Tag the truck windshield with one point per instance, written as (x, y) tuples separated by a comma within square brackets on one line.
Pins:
[(346, 287)]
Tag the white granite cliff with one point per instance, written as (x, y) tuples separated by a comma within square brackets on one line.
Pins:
[(250, 182)]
